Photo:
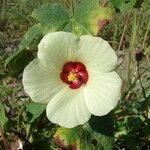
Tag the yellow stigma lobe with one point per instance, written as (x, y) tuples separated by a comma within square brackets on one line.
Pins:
[(72, 77)]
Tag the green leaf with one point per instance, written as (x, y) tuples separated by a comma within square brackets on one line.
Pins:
[(69, 138), (102, 130), (35, 109), (90, 17), (116, 3), (122, 6), (17, 62), (3, 118), (51, 16), (139, 3), (75, 138), (30, 35), (125, 7), (42, 144)]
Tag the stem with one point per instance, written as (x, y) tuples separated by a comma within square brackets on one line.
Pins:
[(114, 43), (142, 87), (139, 77), (145, 37), (72, 8), (133, 83), (144, 41), (124, 29), (130, 53), (3, 6), (128, 72)]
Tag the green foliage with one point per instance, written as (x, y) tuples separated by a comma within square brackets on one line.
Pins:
[(75, 138), (132, 125), (89, 17), (21, 58), (29, 36), (123, 6), (51, 16), (98, 134), (3, 118), (68, 138), (42, 144), (18, 61), (101, 128), (35, 109)]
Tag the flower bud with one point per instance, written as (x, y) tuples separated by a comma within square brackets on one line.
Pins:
[(139, 56)]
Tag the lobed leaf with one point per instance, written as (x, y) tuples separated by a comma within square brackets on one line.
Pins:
[(52, 16), (122, 6), (35, 109), (17, 62), (90, 16), (70, 138), (125, 7), (30, 35), (102, 130)]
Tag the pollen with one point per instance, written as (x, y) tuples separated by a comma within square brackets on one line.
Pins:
[(72, 76)]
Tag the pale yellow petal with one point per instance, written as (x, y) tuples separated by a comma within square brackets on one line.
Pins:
[(41, 83), (102, 92), (96, 54), (68, 108), (57, 48)]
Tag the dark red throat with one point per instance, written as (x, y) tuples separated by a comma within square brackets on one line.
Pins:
[(74, 74)]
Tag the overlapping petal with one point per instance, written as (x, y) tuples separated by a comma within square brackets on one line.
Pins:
[(57, 48), (96, 54), (102, 92), (40, 82), (68, 108)]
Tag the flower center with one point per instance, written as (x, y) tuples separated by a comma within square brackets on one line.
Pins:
[(74, 74)]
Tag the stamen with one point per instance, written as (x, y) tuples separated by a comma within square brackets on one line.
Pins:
[(72, 76)]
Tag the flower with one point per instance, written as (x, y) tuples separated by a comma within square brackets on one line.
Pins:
[(74, 76)]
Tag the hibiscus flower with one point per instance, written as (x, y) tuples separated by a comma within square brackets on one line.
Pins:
[(74, 77)]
